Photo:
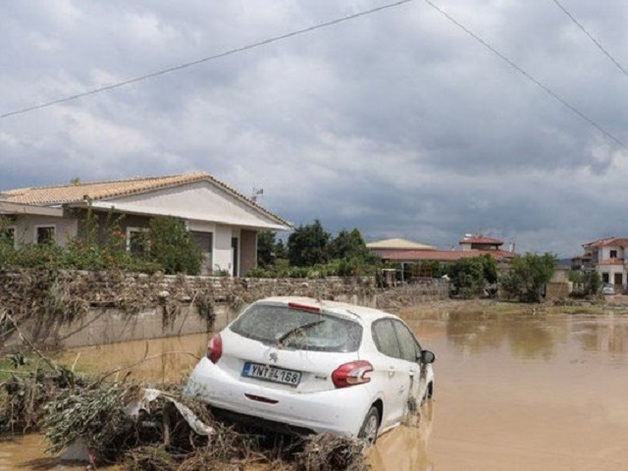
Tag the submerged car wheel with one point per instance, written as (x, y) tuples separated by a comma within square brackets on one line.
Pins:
[(368, 431)]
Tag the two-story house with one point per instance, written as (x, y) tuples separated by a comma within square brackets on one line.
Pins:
[(609, 258)]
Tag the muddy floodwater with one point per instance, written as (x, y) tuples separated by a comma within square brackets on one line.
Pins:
[(527, 392)]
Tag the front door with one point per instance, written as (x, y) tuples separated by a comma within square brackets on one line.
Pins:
[(410, 353), (618, 279)]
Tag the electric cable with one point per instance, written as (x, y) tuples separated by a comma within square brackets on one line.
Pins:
[(528, 76), (202, 60), (595, 41)]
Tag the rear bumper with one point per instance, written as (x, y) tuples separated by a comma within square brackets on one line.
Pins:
[(338, 411)]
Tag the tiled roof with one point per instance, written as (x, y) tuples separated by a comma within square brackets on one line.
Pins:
[(608, 242), (398, 244), (446, 255), (75, 193), (481, 240)]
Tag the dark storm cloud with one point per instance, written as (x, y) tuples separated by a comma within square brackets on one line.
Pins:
[(397, 123)]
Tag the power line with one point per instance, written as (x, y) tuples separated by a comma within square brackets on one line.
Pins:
[(547, 90), (595, 41), (203, 60)]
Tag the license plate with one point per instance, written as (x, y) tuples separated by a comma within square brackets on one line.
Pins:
[(271, 373)]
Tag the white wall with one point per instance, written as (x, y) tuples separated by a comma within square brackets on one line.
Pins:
[(26, 228), (195, 201), (223, 255)]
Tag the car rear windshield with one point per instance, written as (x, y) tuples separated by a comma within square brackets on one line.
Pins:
[(298, 329)]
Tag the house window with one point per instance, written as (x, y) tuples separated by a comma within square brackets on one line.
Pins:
[(7, 236), (45, 235), (613, 253), (205, 241), (605, 278), (137, 241)]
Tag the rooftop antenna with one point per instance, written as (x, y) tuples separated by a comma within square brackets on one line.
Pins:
[(257, 192)]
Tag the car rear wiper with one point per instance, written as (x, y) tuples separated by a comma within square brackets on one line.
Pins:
[(291, 332)]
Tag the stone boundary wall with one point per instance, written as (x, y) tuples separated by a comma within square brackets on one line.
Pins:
[(76, 308)]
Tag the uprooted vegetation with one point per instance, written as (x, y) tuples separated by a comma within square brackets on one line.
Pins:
[(151, 429), (46, 302)]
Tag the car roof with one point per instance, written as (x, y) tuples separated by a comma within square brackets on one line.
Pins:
[(347, 310)]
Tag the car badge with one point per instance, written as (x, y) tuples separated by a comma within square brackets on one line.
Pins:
[(272, 356)]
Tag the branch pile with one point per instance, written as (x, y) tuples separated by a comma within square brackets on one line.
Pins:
[(150, 429)]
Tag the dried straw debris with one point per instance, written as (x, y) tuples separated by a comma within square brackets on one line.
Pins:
[(331, 452)]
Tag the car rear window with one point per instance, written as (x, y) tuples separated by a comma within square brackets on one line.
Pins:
[(298, 329)]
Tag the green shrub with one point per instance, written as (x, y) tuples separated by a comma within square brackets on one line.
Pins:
[(172, 247)]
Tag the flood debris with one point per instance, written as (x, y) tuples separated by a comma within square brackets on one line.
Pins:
[(147, 428), (330, 452), (149, 458), (24, 394), (112, 418)]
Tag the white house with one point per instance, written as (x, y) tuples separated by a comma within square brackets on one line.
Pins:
[(608, 258), (223, 221)]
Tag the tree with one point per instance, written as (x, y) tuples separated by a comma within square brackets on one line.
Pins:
[(281, 251), (528, 275), (470, 276), (171, 245), (308, 245), (349, 245), (7, 242), (269, 249), (265, 244), (586, 282)]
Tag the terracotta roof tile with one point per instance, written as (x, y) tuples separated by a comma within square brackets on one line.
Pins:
[(481, 240), (75, 193), (609, 241), (72, 193), (446, 255)]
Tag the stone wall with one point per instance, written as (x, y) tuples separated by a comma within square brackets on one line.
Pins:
[(72, 308)]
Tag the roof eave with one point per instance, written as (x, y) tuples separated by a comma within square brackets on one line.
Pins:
[(110, 206), (7, 208)]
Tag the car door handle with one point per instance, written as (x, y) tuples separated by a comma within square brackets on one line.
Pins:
[(391, 371)]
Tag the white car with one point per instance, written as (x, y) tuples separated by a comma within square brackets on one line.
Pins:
[(315, 366), (608, 289)]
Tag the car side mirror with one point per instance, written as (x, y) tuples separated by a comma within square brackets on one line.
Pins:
[(427, 357)]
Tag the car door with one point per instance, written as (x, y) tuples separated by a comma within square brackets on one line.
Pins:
[(410, 354), (393, 370)]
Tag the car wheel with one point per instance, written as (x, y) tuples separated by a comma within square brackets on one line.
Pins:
[(368, 431)]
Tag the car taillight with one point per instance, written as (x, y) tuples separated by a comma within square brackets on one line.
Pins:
[(214, 348), (351, 374)]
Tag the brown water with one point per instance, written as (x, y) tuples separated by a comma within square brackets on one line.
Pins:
[(513, 392)]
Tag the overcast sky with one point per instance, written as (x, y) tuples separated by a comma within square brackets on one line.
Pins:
[(398, 122)]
